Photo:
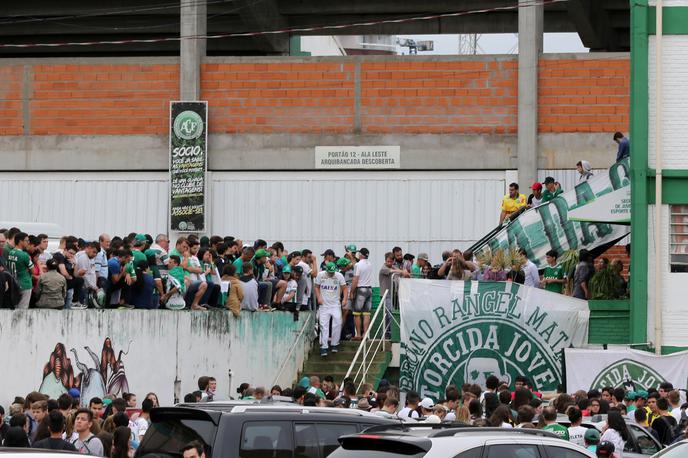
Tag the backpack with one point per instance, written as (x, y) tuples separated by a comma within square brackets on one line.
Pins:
[(10, 298), (85, 443)]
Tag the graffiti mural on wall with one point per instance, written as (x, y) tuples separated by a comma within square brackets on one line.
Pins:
[(105, 376)]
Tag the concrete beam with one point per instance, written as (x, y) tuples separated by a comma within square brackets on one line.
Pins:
[(264, 15), (193, 21), (530, 31), (108, 153)]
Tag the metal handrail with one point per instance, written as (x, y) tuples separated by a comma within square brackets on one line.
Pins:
[(363, 348), (293, 347)]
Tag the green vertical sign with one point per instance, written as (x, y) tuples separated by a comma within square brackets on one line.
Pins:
[(188, 163)]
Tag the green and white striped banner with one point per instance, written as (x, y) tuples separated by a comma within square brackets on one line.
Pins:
[(455, 332)]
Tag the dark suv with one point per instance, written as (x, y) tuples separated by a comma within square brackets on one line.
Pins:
[(252, 431)]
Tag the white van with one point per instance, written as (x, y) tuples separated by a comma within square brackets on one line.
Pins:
[(52, 230)]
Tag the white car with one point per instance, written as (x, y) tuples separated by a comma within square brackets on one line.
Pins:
[(456, 442), (677, 450)]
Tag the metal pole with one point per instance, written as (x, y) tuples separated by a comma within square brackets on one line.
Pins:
[(658, 182)]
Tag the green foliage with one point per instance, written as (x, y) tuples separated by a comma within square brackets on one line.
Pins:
[(603, 285)]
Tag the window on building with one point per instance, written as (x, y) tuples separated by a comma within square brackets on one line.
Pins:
[(678, 238)]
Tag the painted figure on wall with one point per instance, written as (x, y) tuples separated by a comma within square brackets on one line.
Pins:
[(58, 374), (107, 376)]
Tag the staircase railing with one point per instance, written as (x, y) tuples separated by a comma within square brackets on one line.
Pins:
[(307, 326), (373, 341)]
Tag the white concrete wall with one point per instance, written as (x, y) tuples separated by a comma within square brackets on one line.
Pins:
[(674, 101), (321, 45), (161, 347), (674, 289)]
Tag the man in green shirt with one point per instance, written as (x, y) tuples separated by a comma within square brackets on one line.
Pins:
[(246, 255), (549, 414), (553, 276), (551, 191), (19, 265)]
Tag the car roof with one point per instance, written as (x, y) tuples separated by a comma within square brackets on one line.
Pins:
[(215, 410)]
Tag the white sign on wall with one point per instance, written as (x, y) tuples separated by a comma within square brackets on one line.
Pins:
[(357, 157)]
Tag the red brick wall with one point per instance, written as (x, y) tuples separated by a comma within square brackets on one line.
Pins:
[(297, 96), (584, 95), (11, 77), (617, 252), (100, 99)]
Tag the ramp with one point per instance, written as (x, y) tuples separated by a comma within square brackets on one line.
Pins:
[(550, 227)]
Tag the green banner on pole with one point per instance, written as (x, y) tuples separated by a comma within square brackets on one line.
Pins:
[(188, 164)]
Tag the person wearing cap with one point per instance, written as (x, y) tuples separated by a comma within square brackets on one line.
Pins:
[(535, 198), (418, 269), (330, 292), (328, 256), (362, 293), (289, 297), (426, 406), (512, 202), (591, 438), (606, 449), (258, 261), (346, 268), (551, 191)]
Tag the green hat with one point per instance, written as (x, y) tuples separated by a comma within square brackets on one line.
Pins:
[(286, 269), (305, 382), (331, 267), (641, 394), (630, 395), (351, 248), (140, 237), (261, 254), (107, 402), (592, 436), (343, 262)]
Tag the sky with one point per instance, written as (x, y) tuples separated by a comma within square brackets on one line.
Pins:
[(499, 43)]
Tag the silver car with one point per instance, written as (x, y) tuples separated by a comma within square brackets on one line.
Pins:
[(677, 450), (442, 441)]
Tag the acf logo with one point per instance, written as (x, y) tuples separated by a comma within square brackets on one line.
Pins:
[(628, 373), (188, 125)]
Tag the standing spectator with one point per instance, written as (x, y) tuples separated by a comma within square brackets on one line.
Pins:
[(553, 276), (310, 271), (621, 285), (585, 170), (42, 247), (236, 291), (385, 281), (3, 242), (551, 190), (85, 442), (582, 275), (419, 267), (549, 414), (512, 202), (624, 150), (398, 257), (19, 265), (249, 286), (86, 262), (576, 431), (530, 270), (121, 446), (330, 291), (101, 261), (362, 294), (616, 431), (56, 426), (52, 288), (328, 256), (159, 249), (535, 198), (346, 268)]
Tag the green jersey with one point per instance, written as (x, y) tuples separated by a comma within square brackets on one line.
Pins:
[(179, 274), (239, 264), (19, 263), (416, 271), (559, 430), (554, 273), (547, 195)]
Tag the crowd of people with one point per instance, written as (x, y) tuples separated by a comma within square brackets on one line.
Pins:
[(606, 412), (110, 427)]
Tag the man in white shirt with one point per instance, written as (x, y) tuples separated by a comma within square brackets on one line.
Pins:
[(310, 271), (531, 271), (674, 398), (362, 293), (86, 262), (330, 290)]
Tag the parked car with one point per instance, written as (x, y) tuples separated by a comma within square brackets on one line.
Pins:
[(449, 441), (253, 430), (677, 450), (11, 452), (641, 444)]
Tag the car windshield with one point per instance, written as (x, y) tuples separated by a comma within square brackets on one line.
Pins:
[(167, 437)]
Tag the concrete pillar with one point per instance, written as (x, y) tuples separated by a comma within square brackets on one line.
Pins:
[(193, 23), (530, 29)]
